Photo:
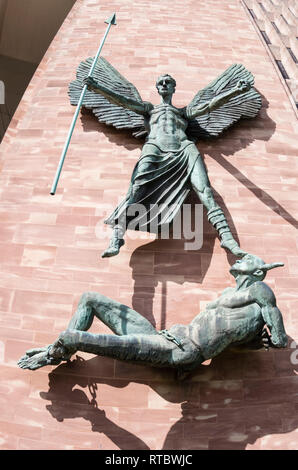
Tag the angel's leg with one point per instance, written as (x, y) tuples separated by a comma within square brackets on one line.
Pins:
[(117, 238), (201, 185), (136, 194)]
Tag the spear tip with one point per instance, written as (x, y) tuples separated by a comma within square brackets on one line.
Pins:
[(111, 20)]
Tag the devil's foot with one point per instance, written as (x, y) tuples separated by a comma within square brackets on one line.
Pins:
[(36, 360), (232, 246), (113, 248), (32, 352), (50, 355)]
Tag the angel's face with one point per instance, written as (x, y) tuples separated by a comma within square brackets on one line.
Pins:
[(165, 85)]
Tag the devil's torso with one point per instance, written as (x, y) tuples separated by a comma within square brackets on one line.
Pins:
[(166, 127), (216, 328)]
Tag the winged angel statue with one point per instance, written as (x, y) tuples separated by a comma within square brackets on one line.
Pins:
[(170, 164)]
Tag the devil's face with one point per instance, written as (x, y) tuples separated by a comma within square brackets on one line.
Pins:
[(247, 265)]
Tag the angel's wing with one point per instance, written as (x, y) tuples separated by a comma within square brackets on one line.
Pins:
[(106, 112), (215, 122)]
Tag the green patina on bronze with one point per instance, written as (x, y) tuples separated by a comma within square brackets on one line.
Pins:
[(238, 316), (170, 164), (111, 21)]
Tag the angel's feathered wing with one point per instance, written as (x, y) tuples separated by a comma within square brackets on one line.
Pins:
[(106, 112), (245, 105)]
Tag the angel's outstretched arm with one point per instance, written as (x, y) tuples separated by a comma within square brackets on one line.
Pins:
[(139, 107), (198, 110)]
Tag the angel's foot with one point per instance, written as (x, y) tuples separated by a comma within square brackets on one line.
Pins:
[(218, 219), (231, 245), (113, 248)]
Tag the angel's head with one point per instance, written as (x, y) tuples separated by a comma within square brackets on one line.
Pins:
[(165, 85)]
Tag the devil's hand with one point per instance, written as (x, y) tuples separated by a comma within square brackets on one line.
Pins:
[(266, 337)]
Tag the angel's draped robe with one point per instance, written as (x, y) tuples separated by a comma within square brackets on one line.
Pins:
[(160, 182)]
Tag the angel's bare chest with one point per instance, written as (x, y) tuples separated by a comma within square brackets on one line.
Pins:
[(166, 126), (167, 118)]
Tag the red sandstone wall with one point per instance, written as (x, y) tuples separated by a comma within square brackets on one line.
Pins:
[(49, 253)]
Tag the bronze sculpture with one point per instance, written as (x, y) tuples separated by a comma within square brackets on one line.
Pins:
[(236, 317), (170, 164), (169, 167)]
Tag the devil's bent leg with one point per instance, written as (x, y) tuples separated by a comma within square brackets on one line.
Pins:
[(121, 319)]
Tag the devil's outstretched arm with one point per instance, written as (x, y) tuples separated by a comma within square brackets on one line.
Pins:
[(273, 319), (271, 314)]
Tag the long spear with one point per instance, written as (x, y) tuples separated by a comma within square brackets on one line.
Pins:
[(111, 21)]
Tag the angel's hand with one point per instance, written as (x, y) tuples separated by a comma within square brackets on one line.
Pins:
[(243, 85), (90, 82)]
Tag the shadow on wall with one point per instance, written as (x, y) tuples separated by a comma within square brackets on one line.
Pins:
[(232, 402), (172, 263), (239, 137)]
